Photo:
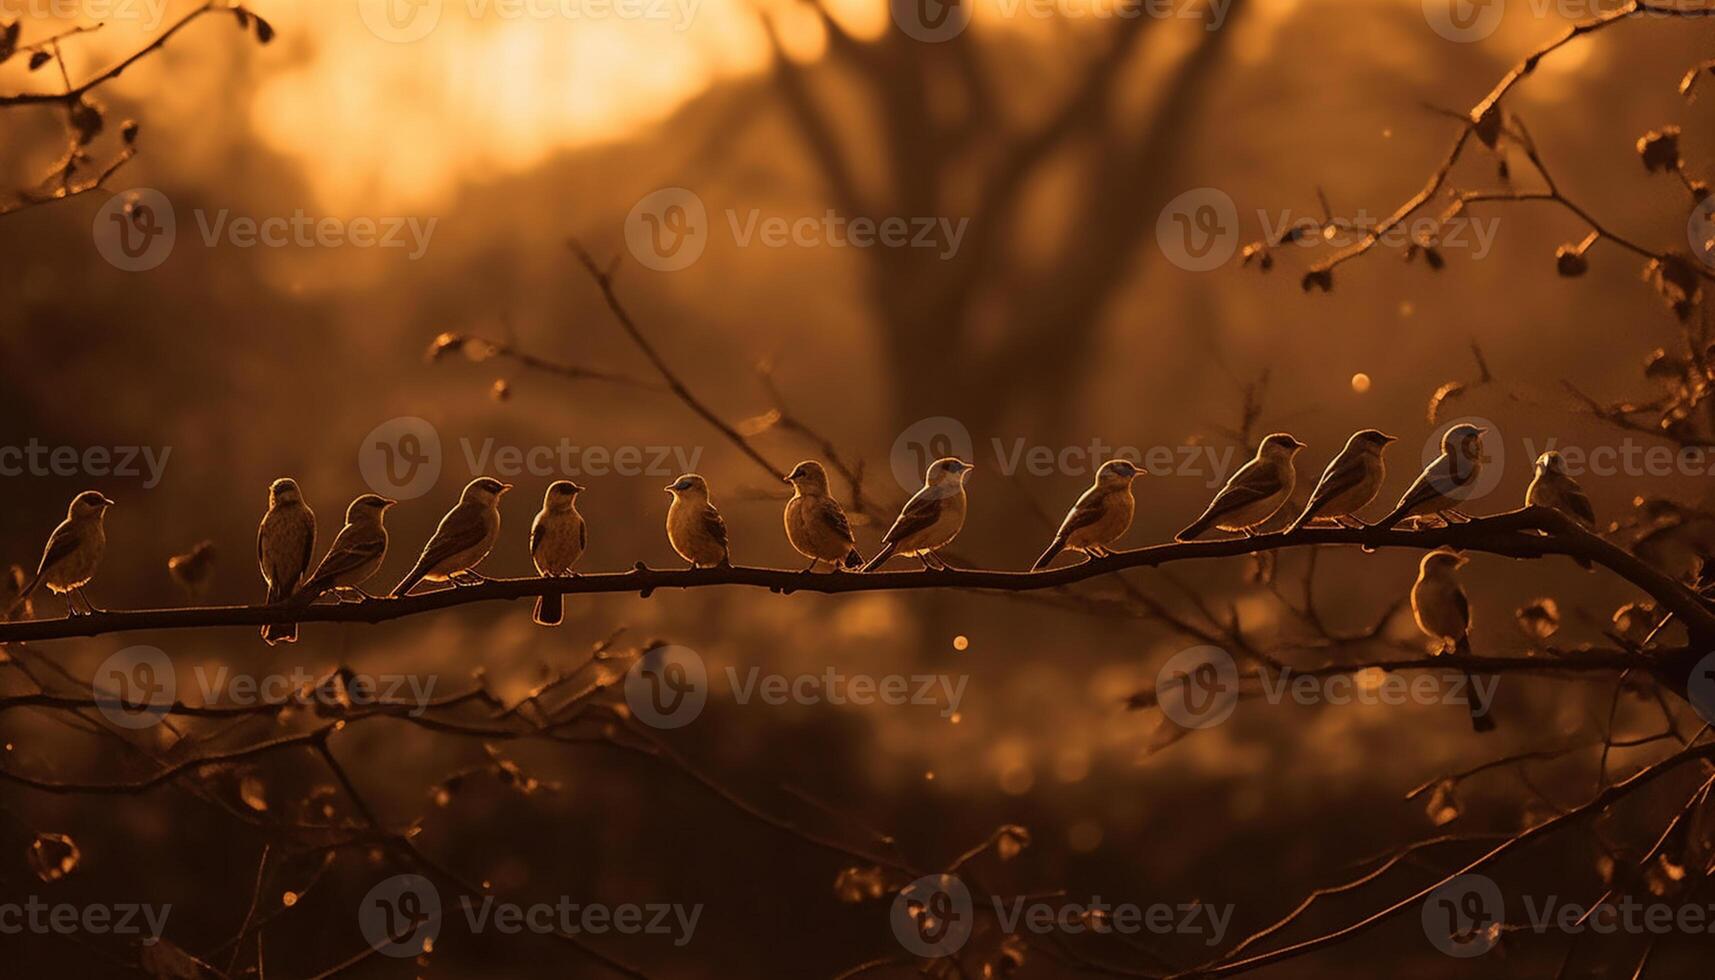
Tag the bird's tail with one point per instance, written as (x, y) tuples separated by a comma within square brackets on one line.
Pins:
[(1197, 529), (550, 610), (279, 632), (405, 584), (24, 596), (1054, 549), (1390, 520), (308, 592), (853, 559), (1481, 719), (880, 557), (1310, 511)]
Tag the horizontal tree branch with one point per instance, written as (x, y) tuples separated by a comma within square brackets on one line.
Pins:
[(1526, 533)]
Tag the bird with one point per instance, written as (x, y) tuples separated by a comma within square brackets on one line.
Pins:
[(462, 539), (1100, 516), (194, 570), (285, 546), (1443, 613), (1350, 482), (1446, 480), (356, 553), (1258, 490), (694, 527), (816, 524), (557, 539), (72, 554), (1554, 488), (931, 519)]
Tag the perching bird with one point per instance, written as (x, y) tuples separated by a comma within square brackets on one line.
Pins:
[(356, 553), (1554, 488), (557, 539), (931, 519), (193, 570), (1443, 613), (463, 538), (1255, 493), (1446, 480), (73, 553), (694, 527), (285, 546), (11, 589), (1099, 517), (816, 524), (1350, 482)]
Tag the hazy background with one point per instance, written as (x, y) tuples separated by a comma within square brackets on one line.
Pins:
[(515, 135)]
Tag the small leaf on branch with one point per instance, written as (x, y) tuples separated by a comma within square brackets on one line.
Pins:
[(1659, 149), (53, 856), (1540, 619), (39, 58), (1448, 391)]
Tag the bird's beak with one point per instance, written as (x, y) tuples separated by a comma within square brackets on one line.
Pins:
[(107, 502), (387, 502), (670, 487), (504, 487), (1299, 445), (576, 488), (1482, 430), (786, 479), (1387, 438), (1460, 561)]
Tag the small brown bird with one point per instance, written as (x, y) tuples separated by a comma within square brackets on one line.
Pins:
[(356, 553), (72, 554), (1554, 488), (285, 546), (1255, 493), (1443, 613), (1100, 517), (816, 524), (1446, 481), (463, 538), (194, 569), (1350, 482), (557, 539), (931, 519), (694, 527)]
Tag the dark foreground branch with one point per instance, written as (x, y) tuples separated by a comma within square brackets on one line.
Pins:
[(1528, 533)]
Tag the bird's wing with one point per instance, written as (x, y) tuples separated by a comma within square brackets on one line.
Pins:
[(1344, 473), (829, 512), (583, 534), (1088, 510), (1463, 603), (920, 512), (713, 525), (350, 549), (538, 531), (1253, 482), (461, 530), (309, 541), (60, 544), (1435, 480), (1579, 504)]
